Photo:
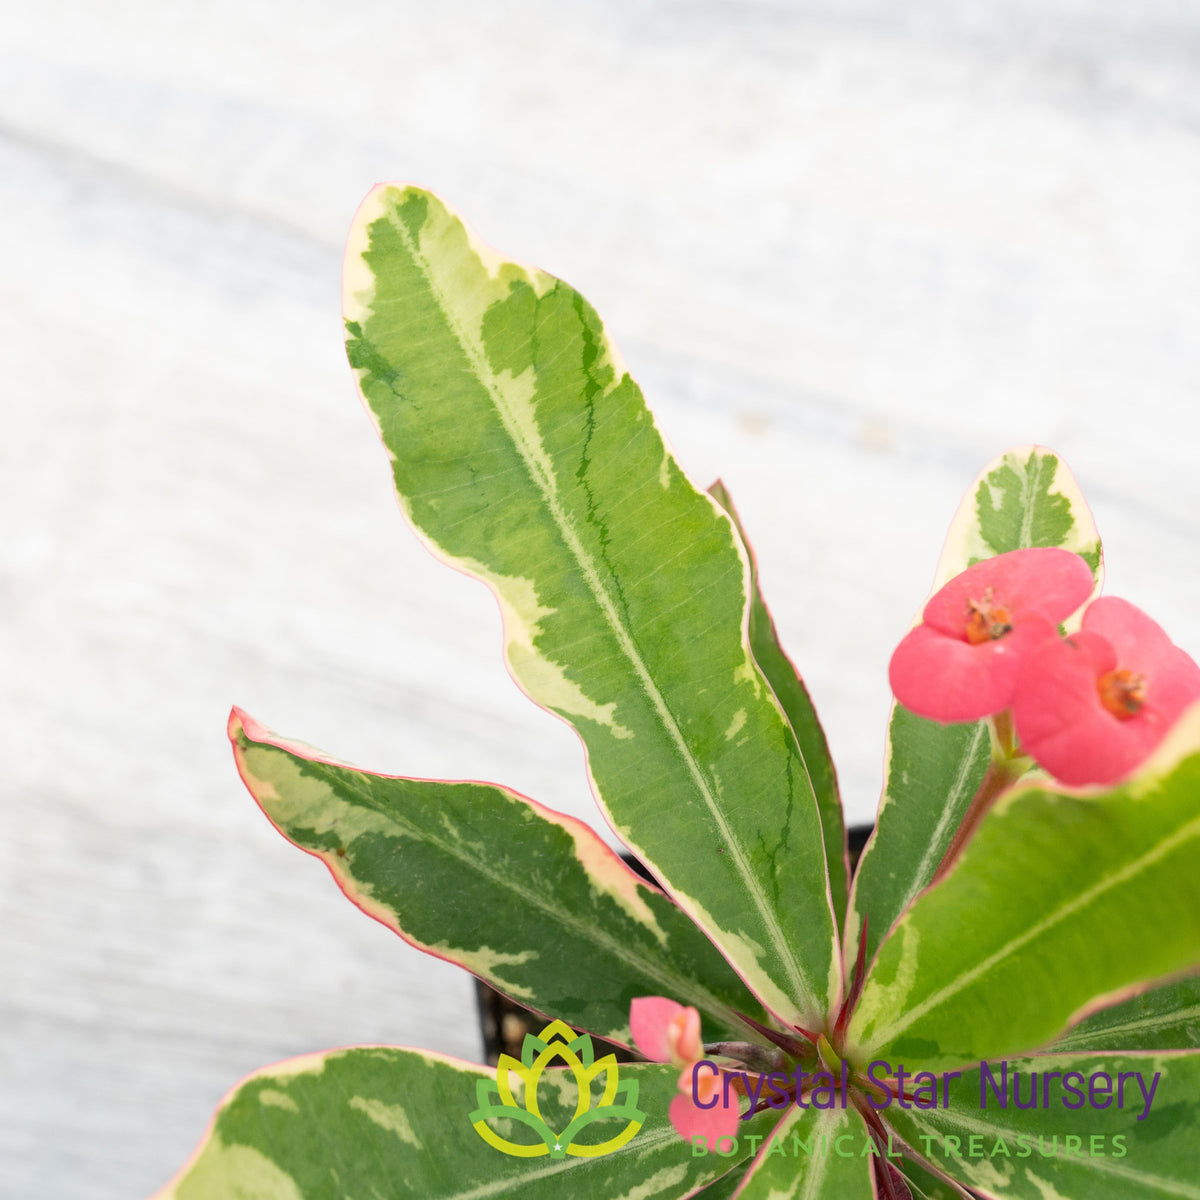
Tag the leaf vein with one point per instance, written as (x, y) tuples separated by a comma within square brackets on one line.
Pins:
[(541, 472)]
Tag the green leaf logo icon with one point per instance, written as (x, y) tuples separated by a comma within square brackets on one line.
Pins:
[(600, 1096)]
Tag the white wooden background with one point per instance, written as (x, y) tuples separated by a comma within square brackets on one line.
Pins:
[(851, 250)]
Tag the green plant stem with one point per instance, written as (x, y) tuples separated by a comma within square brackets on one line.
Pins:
[(1004, 737)]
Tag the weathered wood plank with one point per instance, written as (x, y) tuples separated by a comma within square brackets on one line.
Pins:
[(850, 255)]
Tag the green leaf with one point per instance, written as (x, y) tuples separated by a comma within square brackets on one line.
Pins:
[(375, 1121), (528, 899), (724, 1188), (1026, 497), (814, 1154), (798, 707), (1114, 1155), (524, 454), (933, 773), (1165, 1018), (925, 1185), (1062, 897)]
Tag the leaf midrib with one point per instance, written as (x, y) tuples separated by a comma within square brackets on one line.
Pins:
[(682, 985), (1070, 1042), (936, 849), (1029, 494), (813, 1183), (954, 1118), (649, 1140), (951, 989), (541, 476)]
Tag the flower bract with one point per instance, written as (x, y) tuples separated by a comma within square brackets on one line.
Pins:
[(961, 662), (665, 1031), (1091, 708)]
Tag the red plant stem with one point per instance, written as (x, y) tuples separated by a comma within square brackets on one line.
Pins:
[(887, 1087), (871, 1117), (763, 1105), (889, 1178), (999, 775), (856, 985), (895, 1186), (789, 1045)]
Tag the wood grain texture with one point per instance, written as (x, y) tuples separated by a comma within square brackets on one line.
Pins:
[(850, 251)]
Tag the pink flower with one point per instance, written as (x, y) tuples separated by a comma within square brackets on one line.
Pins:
[(961, 662), (665, 1031), (1091, 708), (712, 1123)]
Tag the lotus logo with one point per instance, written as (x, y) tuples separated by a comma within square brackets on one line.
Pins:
[(597, 1093)]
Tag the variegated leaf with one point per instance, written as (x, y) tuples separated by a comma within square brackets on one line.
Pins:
[(926, 1184), (530, 900), (1164, 1018), (378, 1121), (1127, 1153), (725, 1188), (524, 454), (1061, 898), (1026, 497), (814, 1154), (797, 705)]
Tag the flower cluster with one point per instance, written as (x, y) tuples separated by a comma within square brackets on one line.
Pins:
[(1088, 708)]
